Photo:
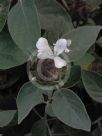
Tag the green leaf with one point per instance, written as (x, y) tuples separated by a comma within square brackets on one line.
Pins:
[(75, 132), (82, 39), (28, 97), (93, 85), (48, 11), (54, 19), (4, 9), (94, 3), (60, 27), (10, 54), (90, 22), (85, 61), (24, 25), (40, 128), (10, 76), (97, 132), (74, 77), (49, 110), (69, 109), (6, 117)]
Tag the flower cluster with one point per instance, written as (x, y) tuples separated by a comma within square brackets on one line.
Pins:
[(45, 52)]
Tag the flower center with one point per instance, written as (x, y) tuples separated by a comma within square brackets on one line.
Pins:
[(45, 71)]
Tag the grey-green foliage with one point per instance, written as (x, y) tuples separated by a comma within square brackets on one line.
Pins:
[(6, 117), (93, 85), (28, 97), (69, 109), (53, 18), (24, 26), (4, 9), (75, 75), (40, 128), (10, 54), (82, 39), (24, 20), (75, 132), (49, 11), (85, 61)]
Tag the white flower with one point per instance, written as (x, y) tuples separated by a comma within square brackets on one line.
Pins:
[(45, 52)]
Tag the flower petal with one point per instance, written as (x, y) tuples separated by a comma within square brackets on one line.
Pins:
[(60, 46), (45, 55), (44, 50), (59, 62), (69, 42), (67, 50), (42, 43)]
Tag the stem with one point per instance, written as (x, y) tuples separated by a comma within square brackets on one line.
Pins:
[(49, 129), (57, 88), (96, 122), (52, 119), (99, 124), (65, 4), (50, 134), (37, 113)]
